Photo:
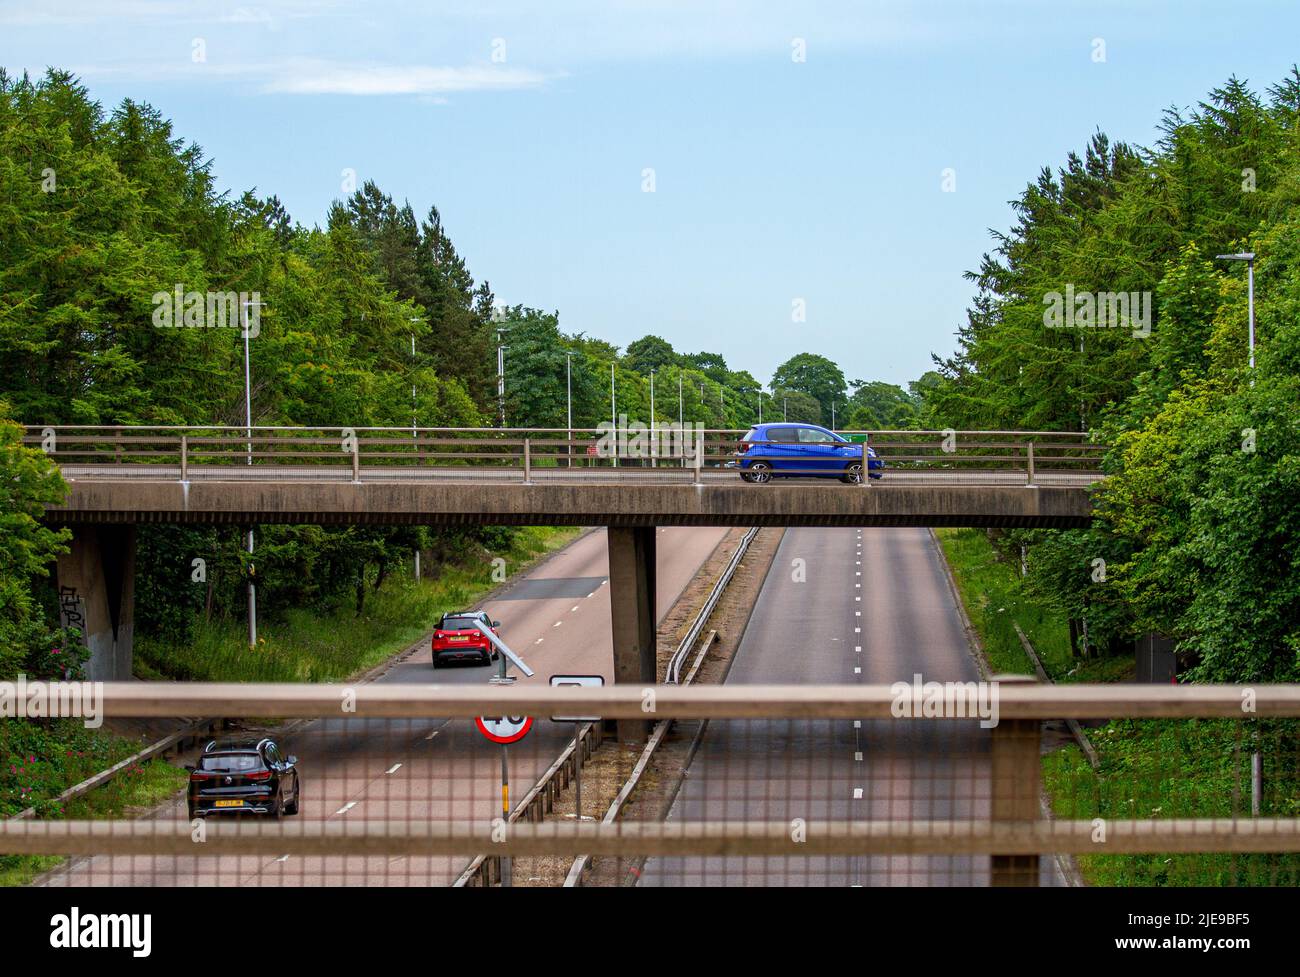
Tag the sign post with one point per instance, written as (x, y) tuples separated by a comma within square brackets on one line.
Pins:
[(589, 681), (504, 729)]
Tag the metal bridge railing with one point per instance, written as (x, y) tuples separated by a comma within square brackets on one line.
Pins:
[(853, 784), (665, 452)]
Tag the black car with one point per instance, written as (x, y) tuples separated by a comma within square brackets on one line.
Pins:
[(246, 776)]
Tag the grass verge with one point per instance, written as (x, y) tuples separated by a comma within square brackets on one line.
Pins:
[(991, 591), (43, 759), (1155, 768)]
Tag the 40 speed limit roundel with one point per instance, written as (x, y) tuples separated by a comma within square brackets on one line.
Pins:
[(504, 729)]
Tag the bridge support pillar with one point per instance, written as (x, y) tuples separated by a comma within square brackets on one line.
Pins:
[(632, 610), (96, 580)]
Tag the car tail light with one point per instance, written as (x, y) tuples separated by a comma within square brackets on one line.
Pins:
[(744, 446), (263, 775)]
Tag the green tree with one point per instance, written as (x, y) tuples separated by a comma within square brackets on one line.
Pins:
[(794, 405), (649, 353), (29, 482), (814, 375)]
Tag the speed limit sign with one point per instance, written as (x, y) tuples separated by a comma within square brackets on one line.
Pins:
[(504, 729)]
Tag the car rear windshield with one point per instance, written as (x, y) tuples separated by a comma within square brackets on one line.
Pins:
[(231, 763), (749, 435), (458, 623)]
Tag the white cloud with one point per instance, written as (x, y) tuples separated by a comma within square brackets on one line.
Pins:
[(333, 78), (429, 83)]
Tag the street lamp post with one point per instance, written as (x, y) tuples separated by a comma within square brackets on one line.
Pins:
[(415, 438), (613, 411), (653, 450), (1249, 258), (501, 378), (568, 387), (414, 412), (248, 430)]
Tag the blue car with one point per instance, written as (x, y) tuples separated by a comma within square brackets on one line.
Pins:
[(802, 451)]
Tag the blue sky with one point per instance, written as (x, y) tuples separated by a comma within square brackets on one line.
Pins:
[(530, 126)]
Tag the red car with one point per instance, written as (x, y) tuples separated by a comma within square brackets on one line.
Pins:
[(459, 639)]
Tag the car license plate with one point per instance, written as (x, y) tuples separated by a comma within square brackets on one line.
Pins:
[(460, 638), (229, 804)]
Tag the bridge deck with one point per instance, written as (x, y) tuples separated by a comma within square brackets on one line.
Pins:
[(555, 496)]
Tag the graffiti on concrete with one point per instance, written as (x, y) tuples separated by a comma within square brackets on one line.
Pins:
[(70, 609)]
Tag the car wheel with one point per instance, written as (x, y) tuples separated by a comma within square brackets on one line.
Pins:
[(853, 474), (760, 472), (277, 809), (297, 796), (190, 807), (435, 662)]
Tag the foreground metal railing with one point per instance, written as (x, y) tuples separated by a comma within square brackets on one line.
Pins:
[(665, 451), (1005, 818)]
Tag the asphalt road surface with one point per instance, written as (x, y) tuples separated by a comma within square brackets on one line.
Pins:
[(557, 618), (843, 606)]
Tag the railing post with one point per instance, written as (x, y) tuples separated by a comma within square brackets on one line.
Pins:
[(1030, 469), (698, 475), (1016, 775), (528, 460), (185, 458), (356, 461), (865, 481)]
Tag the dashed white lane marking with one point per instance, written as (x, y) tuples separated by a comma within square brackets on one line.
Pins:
[(857, 573), (592, 594), (857, 793), (393, 769), (858, 649), (858, 756), (283, 858), (858, 613), (857, 563), (539, 641), (857, 669), (346, 807), (432, 735), (857, 630), (557, 624), (857, 724), (857, 598)]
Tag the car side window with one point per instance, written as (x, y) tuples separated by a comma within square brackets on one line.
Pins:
[(784, 435), (808, 435), (272, 754)]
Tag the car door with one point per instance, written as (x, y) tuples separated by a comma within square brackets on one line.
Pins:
[(782, 449), (818, 451)]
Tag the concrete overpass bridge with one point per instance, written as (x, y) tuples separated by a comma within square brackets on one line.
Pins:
[(120, 477)]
